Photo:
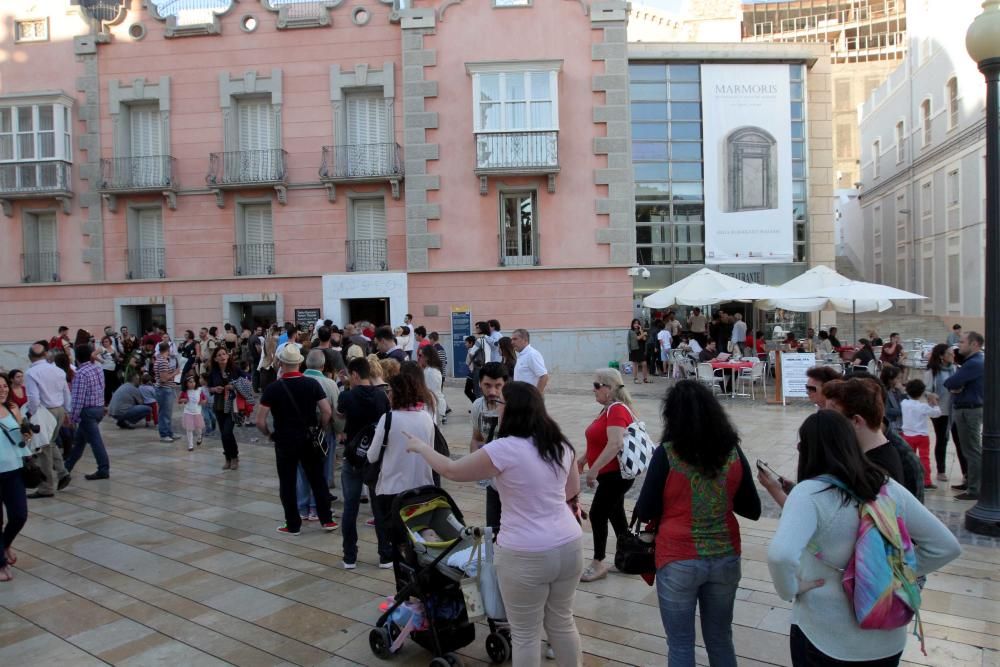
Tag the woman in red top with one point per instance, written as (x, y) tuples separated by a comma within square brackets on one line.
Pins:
[(696, 480), (604, 441), (18, 394)]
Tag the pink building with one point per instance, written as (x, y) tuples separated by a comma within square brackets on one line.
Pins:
[(196, 162)]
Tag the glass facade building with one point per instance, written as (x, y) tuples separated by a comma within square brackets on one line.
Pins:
[(667, 161)]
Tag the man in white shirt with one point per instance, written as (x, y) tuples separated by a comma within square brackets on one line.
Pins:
[(493, 339), (665, 339), (409, 347), (530, 366), (46, 387)]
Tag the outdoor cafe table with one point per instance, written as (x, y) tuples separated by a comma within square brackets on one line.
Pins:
[(733, 366)]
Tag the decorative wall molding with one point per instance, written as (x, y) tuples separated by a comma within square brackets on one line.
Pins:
[(183, 26), (231, 89), (120, 95), (292, 15)]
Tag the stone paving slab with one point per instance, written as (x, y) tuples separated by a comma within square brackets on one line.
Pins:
[(173, 561)]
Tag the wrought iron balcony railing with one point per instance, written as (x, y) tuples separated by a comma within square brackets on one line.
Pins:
[(368, 255), (22, 180), (40, 267), (247, 168), (145, 263), (361, 162), (517, 152), (137, 174), (253, 259)]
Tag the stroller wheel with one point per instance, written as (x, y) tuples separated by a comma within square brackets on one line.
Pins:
[(379, 642), (498, 647), (447, 660)]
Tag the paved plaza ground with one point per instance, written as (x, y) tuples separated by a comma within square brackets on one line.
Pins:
[(174, 562)]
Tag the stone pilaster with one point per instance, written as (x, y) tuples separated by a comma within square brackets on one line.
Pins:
[(611, 18), (416, 25), (89, 168)]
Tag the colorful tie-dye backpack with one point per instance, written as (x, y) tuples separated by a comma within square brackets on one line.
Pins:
[(880, 579)]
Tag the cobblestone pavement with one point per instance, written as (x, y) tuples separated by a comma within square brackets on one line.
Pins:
[(173, 561)]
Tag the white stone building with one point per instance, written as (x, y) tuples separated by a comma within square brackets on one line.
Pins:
[(923, 170)]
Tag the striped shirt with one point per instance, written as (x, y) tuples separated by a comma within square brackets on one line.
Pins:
[(163, 367), (87, 389)]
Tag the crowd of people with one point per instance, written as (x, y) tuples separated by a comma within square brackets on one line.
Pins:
[(360, 391)]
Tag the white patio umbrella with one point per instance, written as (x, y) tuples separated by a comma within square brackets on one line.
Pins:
[(701, 288), (858, 292)]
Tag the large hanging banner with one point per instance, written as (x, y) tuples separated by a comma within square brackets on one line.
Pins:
[(747, 126)]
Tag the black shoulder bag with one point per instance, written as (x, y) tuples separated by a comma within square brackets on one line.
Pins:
[(635, 549), (31, 473), (315, 435), (373, 470)]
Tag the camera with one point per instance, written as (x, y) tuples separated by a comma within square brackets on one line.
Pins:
[(27, 428)]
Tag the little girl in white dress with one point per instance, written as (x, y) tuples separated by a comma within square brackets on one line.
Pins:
[(192, 398)]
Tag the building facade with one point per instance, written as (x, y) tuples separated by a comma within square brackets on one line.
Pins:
[(196, 163), (867, 41), (676, 140), (922, 141)]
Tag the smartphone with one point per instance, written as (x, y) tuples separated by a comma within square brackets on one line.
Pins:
[(762, 465)]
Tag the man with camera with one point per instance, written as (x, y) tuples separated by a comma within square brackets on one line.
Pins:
[(46, 386)]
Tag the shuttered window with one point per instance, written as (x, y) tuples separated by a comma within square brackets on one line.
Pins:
[(255, 251), (256, 161), (145, 145), (369, 220), (146, 248), (41, 260), (368, 151)]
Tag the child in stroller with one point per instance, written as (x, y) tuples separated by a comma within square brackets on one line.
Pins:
[(437, 551)]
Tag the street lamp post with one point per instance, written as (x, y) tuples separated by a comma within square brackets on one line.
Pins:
[(983, 43)]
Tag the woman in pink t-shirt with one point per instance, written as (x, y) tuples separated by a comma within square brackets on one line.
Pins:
[(540, 552)]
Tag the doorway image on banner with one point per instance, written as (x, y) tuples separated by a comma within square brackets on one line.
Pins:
[(748, 163)]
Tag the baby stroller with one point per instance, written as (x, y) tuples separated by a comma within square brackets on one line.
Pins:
[(429, 531)]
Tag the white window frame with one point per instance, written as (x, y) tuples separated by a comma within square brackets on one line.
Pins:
[(927, 278), (877, 241), (953, 248), (951, 101), (926, 122), (19, 37), (876, 154), (519, 260), (927, 207), (31, 218), (552, 67), (61, 128), (953, 204), (900, 141)]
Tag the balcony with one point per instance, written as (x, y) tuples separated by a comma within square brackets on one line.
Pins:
[(361, 163), (368, 255), (130, 175), (253, 259), (36, 180), (145, 263), (237, 170), (40, 267), (515, 153)]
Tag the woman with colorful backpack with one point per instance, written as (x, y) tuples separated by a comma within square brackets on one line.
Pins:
[(848, 537)]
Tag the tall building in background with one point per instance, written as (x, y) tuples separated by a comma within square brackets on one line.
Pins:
[(867, 40), (923, 148)]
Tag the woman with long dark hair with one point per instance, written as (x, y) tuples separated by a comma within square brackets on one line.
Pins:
[(892, 380), (697, 479), (221, 378), (818, 512), (430, 362), (940, 367), (637, 337), (189, 350), (109, 364), (508, 355), (540, 552), (13, 496)]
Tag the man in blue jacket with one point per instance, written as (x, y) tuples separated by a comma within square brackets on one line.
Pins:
[(967, 387)]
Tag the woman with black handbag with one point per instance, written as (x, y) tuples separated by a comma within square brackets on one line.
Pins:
[(13, 497), (696, 480)]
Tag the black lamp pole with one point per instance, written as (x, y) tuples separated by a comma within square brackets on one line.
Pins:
[(983, 43)]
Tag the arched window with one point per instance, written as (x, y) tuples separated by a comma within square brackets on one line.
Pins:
[(952, 96), (752, 166)]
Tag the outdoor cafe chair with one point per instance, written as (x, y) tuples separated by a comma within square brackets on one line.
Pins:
[(711, 377)]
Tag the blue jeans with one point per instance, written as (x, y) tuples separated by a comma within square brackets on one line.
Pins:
[(209, 417), (711, 584), (13, 502), (88, 431), (351, 482), (303, 493), (165, 399), (134, 415)]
